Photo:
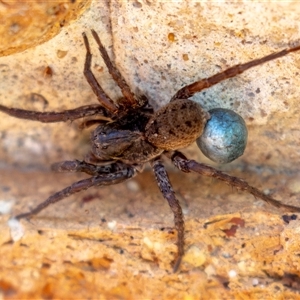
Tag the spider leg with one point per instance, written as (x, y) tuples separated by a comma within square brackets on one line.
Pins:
[(187, 165), (191, 89), (73, 166), (169, 194), (99, 179), (97, 89), (51, 117), (130, 100), (91, 122)]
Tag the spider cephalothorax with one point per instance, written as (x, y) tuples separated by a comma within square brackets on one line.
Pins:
[(129, 134)]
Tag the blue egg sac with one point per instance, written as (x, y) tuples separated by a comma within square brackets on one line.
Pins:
[(224, 138)]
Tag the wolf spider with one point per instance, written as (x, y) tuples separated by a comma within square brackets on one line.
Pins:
[(130, 133)]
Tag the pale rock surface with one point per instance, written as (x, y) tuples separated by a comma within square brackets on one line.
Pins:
[(100, 243)]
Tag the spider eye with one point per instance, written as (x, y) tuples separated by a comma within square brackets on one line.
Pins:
[(224, 137)]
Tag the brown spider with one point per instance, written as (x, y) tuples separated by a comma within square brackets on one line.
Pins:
[(129, 134)]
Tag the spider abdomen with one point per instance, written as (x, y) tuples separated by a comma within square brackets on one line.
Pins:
[(176, 125)]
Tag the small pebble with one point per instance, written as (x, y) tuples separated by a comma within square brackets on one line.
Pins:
[(232, 273), (6, 206), (16, 229)]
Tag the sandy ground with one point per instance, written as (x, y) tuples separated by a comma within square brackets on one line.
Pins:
[(118, 242)]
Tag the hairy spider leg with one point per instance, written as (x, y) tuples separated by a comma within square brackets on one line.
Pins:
[(91, 122), (51, 117), (196, 87), (98, 180), (102, 97), (72, 166), (167, 191), (130, 100), (187, 165)]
